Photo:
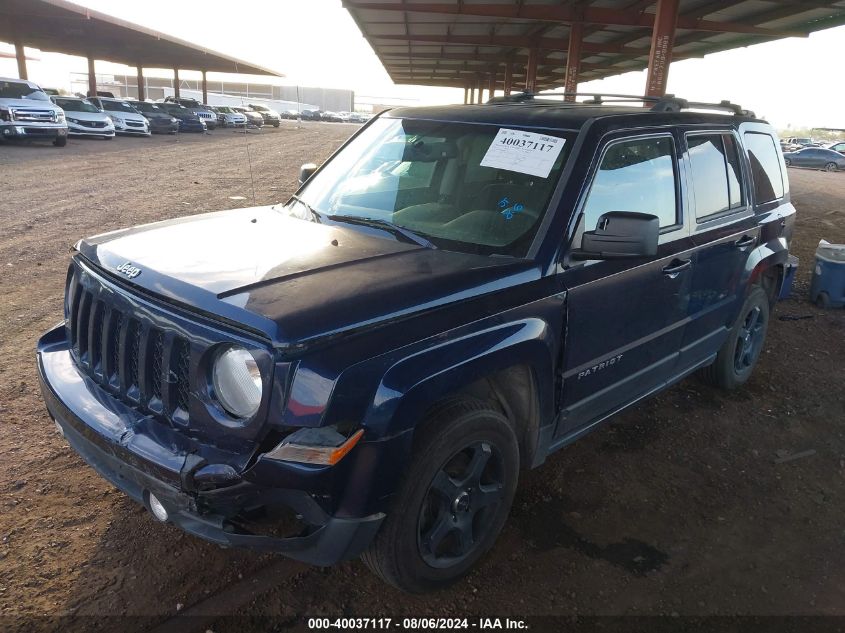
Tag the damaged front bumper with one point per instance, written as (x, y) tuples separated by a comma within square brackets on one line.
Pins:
[(142, 457)]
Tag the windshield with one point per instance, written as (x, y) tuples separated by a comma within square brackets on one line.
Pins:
[(473, 188), (76, 105), (147, 107), (117, 106), (224, 110), (20, 90)]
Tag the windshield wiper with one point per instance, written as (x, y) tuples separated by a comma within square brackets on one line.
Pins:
[(385, 225), (314, 214)]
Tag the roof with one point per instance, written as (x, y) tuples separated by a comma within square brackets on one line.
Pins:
[(455, 42), (557, 115), (64, 27)]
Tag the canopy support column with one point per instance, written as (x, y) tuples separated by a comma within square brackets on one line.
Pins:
[(204, 87), (531, 71), (508, 78), (92, 78), (176, 83), (142, 89), (492, 85), (573, 59), (662, 43), (21, 57)]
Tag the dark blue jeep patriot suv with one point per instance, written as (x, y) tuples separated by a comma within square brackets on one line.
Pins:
[(455, 294)]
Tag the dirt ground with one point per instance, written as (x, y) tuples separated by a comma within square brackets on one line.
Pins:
[(678, 507)]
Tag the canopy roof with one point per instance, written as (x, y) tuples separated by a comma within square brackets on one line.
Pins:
[(64, 27), (456, 42)]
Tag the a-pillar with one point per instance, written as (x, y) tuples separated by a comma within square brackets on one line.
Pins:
[(531, 71), (92, 78), (662, 43), (573, 60), (142, 89)]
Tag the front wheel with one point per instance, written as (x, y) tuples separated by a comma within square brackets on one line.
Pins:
[(454, 500), (60, 141), (788, 162), (739, 354), (830, 167)]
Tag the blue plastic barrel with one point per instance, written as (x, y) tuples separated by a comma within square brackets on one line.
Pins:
[(827, 290)]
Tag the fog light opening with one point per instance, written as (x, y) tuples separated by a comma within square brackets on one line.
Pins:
[(157, 508)]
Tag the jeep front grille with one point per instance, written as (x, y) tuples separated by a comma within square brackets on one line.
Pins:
[(144, 366)]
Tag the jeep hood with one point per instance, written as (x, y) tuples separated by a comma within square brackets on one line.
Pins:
[(293, 280)]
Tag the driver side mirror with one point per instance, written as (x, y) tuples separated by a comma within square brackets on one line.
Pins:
[(305, 172), (620, 235)]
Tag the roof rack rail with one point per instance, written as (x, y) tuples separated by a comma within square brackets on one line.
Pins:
[(667, 103)]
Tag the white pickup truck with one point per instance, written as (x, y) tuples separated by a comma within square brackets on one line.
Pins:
[(27, 113)]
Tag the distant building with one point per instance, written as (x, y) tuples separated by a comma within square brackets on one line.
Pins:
[(331, 99)]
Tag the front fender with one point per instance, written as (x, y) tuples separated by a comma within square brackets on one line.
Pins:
[(409, 387)]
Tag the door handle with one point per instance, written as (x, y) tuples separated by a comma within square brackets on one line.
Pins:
[(677, 267), (744, 242)]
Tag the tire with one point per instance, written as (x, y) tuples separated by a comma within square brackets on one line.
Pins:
[(461, 447), (788, 162), (830, 167), (276, 124), (739, 354), (60, 141)]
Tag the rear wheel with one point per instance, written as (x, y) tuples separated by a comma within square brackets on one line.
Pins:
[(788, 162), (60, 141), (739, 354), (830, 167), (454, 500)]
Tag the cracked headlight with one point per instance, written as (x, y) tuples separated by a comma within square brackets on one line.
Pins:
[(236, 380)]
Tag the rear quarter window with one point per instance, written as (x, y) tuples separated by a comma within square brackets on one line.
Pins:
[(764, 158)]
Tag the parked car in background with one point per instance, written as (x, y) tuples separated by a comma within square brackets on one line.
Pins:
[(84, 118), (203, 111), (253, 118), (815, 157), (229, 117), (26, 113), (270, 116), (311, 115), (127, 120), (332, 117), (161, 122), (188, 121), (838, 146)]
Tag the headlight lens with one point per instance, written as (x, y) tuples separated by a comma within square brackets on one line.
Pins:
[(237, 382)]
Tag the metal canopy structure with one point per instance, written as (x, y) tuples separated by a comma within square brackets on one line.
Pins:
[(59, 26), (544, 44)]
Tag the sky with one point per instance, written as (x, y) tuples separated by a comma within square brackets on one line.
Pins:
[(790, 82)]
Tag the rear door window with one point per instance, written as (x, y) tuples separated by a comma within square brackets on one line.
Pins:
[(764, 158), (716, 173)]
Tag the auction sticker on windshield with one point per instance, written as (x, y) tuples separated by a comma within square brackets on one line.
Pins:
[(524, 152)]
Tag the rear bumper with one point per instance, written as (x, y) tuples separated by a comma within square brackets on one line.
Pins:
[(139, 459)]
